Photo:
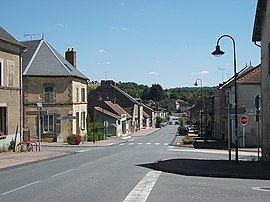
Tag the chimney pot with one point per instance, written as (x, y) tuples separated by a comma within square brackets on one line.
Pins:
[(70, 56)]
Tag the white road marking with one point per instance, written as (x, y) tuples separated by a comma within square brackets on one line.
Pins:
[(157, 143), (131, 143), (62, 173), (81, 151), (166, 144), (142, 190), (148, 143), (261, 188), (139, 143), (122, 144), (110, 144), (16, 189)]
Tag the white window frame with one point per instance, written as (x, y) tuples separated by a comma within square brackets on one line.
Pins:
[(83, 121), (2, 72), (50, 116)]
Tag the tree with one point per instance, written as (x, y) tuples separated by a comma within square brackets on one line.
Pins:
[(156, 92)]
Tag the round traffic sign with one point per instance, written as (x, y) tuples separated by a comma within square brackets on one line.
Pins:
[(244, 120)]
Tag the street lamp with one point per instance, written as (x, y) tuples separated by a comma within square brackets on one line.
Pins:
[(218, 53), (201, 109)]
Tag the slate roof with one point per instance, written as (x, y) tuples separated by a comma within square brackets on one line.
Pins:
[(42, 59), (6, 37)]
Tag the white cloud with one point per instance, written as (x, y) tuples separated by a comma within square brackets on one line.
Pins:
[(60, 25), (101, 51), (201, 72), (153, 73)]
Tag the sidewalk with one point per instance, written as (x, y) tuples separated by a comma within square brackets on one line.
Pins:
[(10, 159), (215, 167)]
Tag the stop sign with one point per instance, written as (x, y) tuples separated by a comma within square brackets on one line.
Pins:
[(244, 120)]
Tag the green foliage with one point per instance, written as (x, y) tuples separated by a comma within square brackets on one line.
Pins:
[(156, 93), (162, 97), (188, 140), (158, 122), (4, 148), (132, 88), (95, 132)]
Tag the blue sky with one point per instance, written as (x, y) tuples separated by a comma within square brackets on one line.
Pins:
[(168, 42)]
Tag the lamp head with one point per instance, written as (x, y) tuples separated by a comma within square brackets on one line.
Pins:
[(196, 83), (217, 52)]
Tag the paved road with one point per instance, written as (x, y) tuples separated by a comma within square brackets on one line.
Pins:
[(124, 173)]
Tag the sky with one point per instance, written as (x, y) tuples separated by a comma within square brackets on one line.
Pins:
[(166, 42)]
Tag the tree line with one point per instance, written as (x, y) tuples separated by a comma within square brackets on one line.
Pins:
[(163, 96)]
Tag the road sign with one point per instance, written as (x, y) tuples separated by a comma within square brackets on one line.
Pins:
[(244, 120)]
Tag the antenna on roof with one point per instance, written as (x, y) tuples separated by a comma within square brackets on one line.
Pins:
[(106, 73), (31, 35)]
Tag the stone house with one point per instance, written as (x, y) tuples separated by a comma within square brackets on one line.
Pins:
[(54, 81), (149, 117), (261, 35), (248, 87), (108, 91), (114, 117), (10, 87)]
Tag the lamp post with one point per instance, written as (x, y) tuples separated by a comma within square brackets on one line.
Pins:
[(217, 53), (201, 121)]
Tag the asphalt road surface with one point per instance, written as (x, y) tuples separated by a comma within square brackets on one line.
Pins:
[(124, 173)]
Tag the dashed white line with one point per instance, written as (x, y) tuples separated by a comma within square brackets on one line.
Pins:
[(148, 143), (142, 190), (110, 144), (139, 143), (24, 186), (62, 173), (131, 143), (157, 143)]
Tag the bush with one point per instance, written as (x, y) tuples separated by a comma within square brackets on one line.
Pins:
[(97, 133), (4, 148), (74, 139), (188, 140)]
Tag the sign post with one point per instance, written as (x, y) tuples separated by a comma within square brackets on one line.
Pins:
[(39, 107), (258, 102), (244, 121)]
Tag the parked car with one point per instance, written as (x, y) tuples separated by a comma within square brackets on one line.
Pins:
[(194, 129), (182, 130), (202, 132)]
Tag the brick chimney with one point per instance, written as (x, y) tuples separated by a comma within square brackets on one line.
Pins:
[(70, 56)]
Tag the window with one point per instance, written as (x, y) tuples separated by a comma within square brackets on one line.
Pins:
[(77, 95), (48, 94), (1, 73), (83, 120), (10, 73), (47, 123), (3, 120), (83, 94)]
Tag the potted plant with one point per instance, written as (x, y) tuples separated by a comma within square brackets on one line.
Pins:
[(74, 139)]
